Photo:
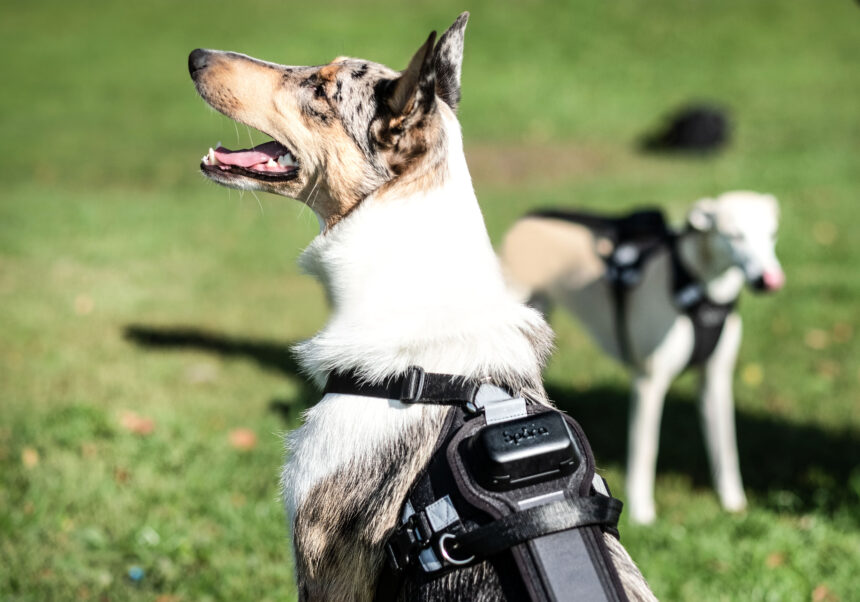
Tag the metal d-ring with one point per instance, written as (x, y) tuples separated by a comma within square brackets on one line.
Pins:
[(446, 555)]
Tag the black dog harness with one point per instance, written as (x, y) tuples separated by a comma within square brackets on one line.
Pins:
[(635, 239), (511, 482)]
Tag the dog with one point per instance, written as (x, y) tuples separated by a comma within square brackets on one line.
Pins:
[(411, 277), (727, 241)]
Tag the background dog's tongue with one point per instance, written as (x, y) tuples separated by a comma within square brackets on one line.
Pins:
[(252, 156)]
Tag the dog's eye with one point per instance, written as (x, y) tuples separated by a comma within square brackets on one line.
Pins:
[(319, 91)]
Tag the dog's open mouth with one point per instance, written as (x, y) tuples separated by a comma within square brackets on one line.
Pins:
[(270, 161)]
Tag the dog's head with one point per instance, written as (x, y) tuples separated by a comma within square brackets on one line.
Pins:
[(740, 230), (340, 131)]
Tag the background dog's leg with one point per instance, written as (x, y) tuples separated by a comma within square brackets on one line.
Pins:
[(718, 417), (649, 391)]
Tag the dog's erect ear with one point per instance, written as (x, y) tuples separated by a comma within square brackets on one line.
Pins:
[(448, 62), (415, 90), (701, 216)]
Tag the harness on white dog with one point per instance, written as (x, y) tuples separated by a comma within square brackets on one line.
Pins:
[(635, 239), (511, 482), (708, 317)]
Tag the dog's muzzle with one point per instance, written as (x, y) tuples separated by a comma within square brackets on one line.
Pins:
[(768, 281)]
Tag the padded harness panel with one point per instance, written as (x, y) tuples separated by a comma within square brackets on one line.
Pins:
[(515, 488)]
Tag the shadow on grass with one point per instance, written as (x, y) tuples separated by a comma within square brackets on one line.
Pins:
[(793, 467), (269, 355)]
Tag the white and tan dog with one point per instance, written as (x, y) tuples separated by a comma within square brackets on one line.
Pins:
[(728, 240), (410, 274)]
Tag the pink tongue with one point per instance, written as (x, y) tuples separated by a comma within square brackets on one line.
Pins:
[(250, 157)]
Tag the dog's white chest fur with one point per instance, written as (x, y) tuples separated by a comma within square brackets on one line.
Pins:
[(411, 281), (336, 430)]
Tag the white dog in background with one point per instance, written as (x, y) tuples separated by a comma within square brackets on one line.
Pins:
[(728, 241)]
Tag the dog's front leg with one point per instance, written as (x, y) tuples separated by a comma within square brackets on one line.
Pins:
[(649, 391), (718, 417)]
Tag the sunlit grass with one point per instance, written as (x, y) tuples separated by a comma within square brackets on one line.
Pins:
[(131, 290)]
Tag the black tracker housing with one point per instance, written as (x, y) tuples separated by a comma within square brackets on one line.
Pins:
[(520, 452)]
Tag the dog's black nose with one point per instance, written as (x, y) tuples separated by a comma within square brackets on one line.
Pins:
[(197, 60)]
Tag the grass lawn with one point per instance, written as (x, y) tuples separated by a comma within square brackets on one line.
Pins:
[(146, 315)]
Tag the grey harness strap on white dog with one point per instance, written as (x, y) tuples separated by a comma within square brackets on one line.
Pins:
[(636, 238), (510, 482)]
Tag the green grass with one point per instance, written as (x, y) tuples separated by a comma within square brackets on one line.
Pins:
[(129, 284)]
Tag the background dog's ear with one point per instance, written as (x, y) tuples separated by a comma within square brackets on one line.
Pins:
[(774, 203), (415, 90), (701, 216), (448, 62)]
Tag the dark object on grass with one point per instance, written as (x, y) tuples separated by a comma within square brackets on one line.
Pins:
[(693, 128)]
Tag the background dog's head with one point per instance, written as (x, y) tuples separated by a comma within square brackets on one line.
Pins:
[(340, 131), (740, 230)]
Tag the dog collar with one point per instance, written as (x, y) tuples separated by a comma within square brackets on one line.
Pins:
[(413, 386)]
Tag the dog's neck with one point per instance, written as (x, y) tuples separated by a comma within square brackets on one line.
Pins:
[(412, 279), (723, 284)]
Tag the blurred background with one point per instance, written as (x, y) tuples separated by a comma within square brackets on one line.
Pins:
[(146, 314)]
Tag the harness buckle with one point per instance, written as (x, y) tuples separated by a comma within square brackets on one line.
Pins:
[(413, 384), (688, 296), (404, 543)]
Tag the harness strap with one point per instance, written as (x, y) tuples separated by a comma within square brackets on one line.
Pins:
[(708, 317), (622, 332), (413, 386), (525, 525)]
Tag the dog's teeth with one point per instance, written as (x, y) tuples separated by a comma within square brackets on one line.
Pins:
[(205, 159), (218, 145), (286, 160), (210, 158), (271, 163)]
